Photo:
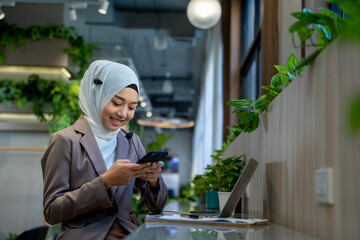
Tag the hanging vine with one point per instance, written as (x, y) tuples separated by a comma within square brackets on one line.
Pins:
[(80, 53)]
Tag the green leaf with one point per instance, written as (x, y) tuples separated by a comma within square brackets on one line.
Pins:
[(158, 143), (271, 96), (308, 60), (280, 69), (291, 63), (272, 89), (240, 103), (305, 33), (261, 104), (252, 122), (276, 80), (305, 19), (242, 117)]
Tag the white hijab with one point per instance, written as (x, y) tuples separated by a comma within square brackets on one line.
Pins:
[(94, 97)]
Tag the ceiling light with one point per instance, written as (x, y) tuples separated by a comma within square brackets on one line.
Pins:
[(143, 104), (104, 5), (166, 122), (2, 14), (203, 14), (72, 14), (167, 86), (72, 9), (22, 72), (149, 114), (160, 43)]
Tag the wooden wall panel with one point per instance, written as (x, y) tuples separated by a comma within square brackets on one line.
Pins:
[(231, 69), (269, 41), (304, 129)]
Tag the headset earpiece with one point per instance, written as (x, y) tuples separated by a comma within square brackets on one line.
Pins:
[(97, 81)]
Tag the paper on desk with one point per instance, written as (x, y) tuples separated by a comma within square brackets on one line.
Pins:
[(177, 217)]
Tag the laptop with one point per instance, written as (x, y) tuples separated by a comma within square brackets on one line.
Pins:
[(237, 191)]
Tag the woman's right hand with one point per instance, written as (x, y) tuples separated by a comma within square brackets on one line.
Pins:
[(122, 172)]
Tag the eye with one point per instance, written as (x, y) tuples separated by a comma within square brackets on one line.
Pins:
[(132, 108), (115, 103)]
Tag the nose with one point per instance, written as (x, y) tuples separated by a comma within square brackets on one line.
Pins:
[(122, 113)]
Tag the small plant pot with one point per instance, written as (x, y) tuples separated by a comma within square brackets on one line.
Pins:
[(223, 197), (201, 202), (212, 200)]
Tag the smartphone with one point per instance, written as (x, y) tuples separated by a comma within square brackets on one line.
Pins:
[(153, 156)]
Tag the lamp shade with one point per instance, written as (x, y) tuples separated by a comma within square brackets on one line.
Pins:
[(2, 14), (203, 14), (167, 86), (104, 5), (72, 14)]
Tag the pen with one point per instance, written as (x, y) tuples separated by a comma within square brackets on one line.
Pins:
[(191, 216)]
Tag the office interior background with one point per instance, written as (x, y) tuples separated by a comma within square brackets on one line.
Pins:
[(187, 75)]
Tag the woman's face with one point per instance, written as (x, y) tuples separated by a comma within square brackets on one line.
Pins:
[(120, 110)]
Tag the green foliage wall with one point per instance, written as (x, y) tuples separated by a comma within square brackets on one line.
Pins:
[(53, 101), (79, 52)]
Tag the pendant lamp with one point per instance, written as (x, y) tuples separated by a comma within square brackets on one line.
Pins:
[(203, 14)]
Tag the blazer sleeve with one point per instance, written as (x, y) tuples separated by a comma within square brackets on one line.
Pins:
[(60, 202), (154, 198)]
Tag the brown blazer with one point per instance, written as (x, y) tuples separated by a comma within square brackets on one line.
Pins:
[(74, 193)]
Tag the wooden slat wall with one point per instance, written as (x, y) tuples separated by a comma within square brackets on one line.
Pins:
[(232, 47), (231, 53), (304, 129), (269, 41)]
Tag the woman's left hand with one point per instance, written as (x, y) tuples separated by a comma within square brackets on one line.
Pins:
[(152, 173)]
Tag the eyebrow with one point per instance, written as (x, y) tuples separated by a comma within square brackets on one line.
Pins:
[(123, 99)]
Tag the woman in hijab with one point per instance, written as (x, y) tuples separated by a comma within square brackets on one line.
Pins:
[(89, 169)]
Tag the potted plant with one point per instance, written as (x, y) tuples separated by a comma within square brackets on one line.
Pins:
[(220, 177)]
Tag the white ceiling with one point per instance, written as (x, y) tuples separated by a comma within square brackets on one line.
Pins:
[(129, 30)]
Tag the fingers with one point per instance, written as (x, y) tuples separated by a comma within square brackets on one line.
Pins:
[(152, 172), (123, 161), (158, 164), (123, 171), (154, 165), (144, 165)]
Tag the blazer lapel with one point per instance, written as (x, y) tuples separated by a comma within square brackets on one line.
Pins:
[(90, 145), (119, 151)]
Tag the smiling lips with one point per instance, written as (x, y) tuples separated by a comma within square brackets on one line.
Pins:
[(116, 121)]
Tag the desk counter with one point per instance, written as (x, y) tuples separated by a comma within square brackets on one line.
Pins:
[(180, 232)]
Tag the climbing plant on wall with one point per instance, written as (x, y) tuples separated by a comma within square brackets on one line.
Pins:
[(78, 51), (53, 101), (329, 26)]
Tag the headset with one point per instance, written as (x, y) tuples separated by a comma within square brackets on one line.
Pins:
[(129, 136)]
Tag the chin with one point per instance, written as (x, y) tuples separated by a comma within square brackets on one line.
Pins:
[(116, 128), (112, 128)]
